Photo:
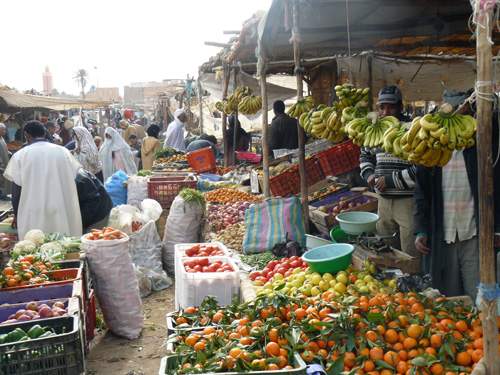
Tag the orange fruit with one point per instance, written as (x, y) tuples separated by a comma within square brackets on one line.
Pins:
[(381, 329), (218, 316), (413, 353), (282, 361), (180, 320), (436, 341), (371, 335), (200, 346), (323, 353), (414, 331), (391, 358), (208, 330), (462, 326), (437, 369), (273, 349), (417, 307), (478, 343), (391, 336), (349, 359), (431, 351), (313, 347), (403, 355), (272, 367), (409, 343), (424, 342), (463, 359), (403, 320), (300, 314), (365, 352), (190, 310), (398, 346), (402, 367), (246, 341), (369, 365), (386, 372), (191, 340), (234, 335), (477, 355), (273, 335), (376, 354), (235, 352)]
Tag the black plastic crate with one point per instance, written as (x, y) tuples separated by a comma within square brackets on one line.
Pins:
[(61, 354)]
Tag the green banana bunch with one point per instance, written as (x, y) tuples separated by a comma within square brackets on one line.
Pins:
[(302, 106), (250, 105), (369, 131)]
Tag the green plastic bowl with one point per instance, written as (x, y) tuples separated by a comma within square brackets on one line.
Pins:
[(357, 222), (329, 258), (338, 235)]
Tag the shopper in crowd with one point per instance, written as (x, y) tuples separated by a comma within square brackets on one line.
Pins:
[(243, 140), (135, 147), (392, 178), (86, 151), (446, 218), (283, 130), (98, 142), (52, 135), (115, 155), (174, 136), (150, 145), (4, 160), (66, 130), (203, 141), (44, 192)]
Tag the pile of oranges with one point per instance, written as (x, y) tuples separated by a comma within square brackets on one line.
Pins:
[(27, 270), (402, 334)]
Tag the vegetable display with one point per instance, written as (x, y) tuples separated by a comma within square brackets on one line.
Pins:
[(258, 261), (225, 195), (106, 233), (232, 236), (203, 250), (206, 265), (192, 196), (277, 269), (28, 270), (18, 334), (221, 216), (166, 152), (50, 247), (33, 311)]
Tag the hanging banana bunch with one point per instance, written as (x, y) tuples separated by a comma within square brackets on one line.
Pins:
[(240, 100), (369, 131)]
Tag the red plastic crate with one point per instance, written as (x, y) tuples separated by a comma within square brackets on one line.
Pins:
[(202, 160), (90, 318), (339, 159), (56, 277), (165, 189), (314, 174), (280, 185)]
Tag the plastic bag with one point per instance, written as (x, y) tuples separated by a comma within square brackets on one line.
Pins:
[(273, 221), (137, 190), (116, 285), (145, 287), (122, 217), (145, 248), (116, 188), (184, 225), (151, 210)]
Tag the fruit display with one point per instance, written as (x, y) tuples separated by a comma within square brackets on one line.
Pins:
[(328, 122), (18, 334), (178, 158), (107, 234), (277, 270), (348, 204), (27, 270), (432, 138), (232, 236), (392, 140), (221, 216), (322, 193), (225, 195), (166, 152), (301, 106), (369, 131), (275, 170), (34, 311), (240, 100), (203, 250), (303, 281), (206, 265), (383, 333)]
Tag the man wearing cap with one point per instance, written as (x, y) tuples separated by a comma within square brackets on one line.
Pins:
[(392, 178)]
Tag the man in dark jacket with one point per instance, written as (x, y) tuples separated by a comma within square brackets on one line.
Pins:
[(446, 220), (283, 132)]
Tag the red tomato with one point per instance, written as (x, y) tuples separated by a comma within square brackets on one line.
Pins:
[(288, 273), (212, 268), (261, 278), (272, 264), (198, 268), (203, 262), (253, 275), (295, 264), (205, 269)]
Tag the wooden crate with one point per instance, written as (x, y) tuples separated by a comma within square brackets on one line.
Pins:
[(394, 259)]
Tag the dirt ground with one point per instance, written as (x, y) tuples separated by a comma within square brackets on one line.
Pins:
[(117, 356)]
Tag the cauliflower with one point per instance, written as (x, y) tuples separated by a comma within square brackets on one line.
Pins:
[(36, 236), (22, 248), (52, 251)]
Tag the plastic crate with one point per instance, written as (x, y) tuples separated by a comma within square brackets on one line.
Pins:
[(180, 248), (173, 329), (202, 160), (40, 293), (339, 159), (251, 157), (90, 316), (165, 189), (56, 277), (61, 354), (281, 185), (314, 174), (171, 362), (192, 288), (72, 305)]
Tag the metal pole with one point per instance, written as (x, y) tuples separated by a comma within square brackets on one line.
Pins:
[(299, 74), (485, 187)]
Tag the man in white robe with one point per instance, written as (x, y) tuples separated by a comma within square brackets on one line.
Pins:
[(44, 192), (4, 160), (174, 137)]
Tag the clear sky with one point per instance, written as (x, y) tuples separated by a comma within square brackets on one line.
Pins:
[(116, 41)]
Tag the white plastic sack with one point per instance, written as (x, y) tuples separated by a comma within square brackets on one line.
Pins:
[(116, 285), (145, 248), (121, 217), (184, 225), (151, 210), (145, 287), (137, 190)]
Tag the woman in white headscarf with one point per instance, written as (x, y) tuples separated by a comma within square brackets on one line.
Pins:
[(115, 155), (86, 152), (174, 137)]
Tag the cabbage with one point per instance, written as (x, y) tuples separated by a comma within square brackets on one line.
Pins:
[(22, 248), (36, 236), (52, 251)]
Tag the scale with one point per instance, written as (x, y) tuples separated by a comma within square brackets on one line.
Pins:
[(367, 241)]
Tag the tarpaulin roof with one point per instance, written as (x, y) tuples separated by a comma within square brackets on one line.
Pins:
[(11, 101), (399, 27)]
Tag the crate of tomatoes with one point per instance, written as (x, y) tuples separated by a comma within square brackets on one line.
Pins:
[(199, 277)]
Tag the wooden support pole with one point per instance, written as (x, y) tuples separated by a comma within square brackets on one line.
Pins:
[(200, 104), (485, 186), (302, 138), (225, 87), (236, 128), (217, 44), (370, 81), (265, 140)]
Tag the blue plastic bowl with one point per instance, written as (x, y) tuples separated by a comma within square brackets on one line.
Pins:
[(329, 258)]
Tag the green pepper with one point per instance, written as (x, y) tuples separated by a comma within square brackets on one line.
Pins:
[(46, 334), (2, 338), (36, 331), (15, 335), (24, 338)]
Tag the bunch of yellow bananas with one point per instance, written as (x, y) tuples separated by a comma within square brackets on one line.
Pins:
[(302, 106), (231, 104), (349, 96), (369, 131), (432, 138), (392, 140), (250, 105)]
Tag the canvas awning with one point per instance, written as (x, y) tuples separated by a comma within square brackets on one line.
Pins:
[(11, 101)]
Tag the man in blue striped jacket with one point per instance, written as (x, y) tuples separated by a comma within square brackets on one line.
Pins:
[(392, 178)]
